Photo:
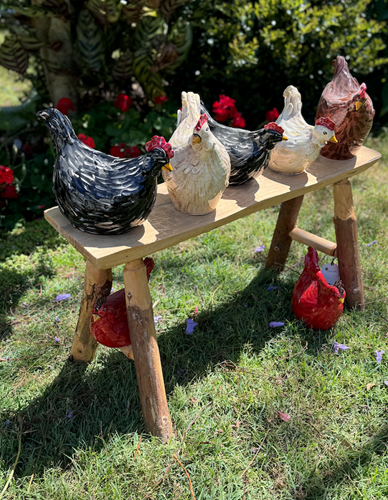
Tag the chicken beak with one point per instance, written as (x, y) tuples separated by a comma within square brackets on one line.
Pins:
[(167, 167), (196, 139), (342, 300), (284, 138), (358, 105), (333, 139), (96, 317)]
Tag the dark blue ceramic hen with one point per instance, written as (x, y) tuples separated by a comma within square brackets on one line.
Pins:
[(99, 193)]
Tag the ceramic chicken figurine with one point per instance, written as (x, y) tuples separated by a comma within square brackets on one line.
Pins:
[(99, 193), (346, 102), (109, 323), (248, 151), (201, 170), (315, 302), (304, 141)]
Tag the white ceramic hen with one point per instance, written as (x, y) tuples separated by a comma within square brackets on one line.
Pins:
[(201, 167), (304, 141)]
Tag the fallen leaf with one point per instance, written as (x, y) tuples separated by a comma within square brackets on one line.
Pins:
[(284, 416), (369, 386)]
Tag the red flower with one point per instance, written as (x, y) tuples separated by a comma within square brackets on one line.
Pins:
[(160, 99), (123, 151), (272, 115), (87, 140), (238, 121), (132, 152), (64, 105), (123, 102), (118, 150), (28, 150), (224, 108), (6, 175), (9, 193)]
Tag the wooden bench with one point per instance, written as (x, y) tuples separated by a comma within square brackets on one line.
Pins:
[(166, 227)]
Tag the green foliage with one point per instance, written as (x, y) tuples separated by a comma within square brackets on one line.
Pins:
[(253, 50), (98, 42)]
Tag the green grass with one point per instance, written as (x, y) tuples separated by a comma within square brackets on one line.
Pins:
[(237, 371)]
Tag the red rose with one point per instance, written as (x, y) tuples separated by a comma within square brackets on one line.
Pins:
[(118, 150), (132, 152), (9, 193), (64, 105), (272, 115), (238, 121), (6, 175), (87, 140), (160, 99), (123, 102)]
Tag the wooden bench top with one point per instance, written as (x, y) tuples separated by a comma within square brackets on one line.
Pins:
[(166, 226)]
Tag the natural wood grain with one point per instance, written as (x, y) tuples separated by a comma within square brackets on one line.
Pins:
[(98, 283), (347, 245), (146, 350), (166, 227), (281, 239), (311, 240)]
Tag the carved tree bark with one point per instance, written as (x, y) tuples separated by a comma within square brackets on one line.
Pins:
[(57, 55)]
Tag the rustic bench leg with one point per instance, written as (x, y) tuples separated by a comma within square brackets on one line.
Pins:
[(347, 244), (145, 350), (98, 283), (281, 241)]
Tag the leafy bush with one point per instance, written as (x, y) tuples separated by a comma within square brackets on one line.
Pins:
[(252, 50)]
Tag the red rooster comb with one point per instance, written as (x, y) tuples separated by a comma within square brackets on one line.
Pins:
[(159, 142), (203, 119), (326, 122), (274, 126), (362, 91)]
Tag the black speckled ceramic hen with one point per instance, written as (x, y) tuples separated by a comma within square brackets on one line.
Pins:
[(98, 193), (248, 151)]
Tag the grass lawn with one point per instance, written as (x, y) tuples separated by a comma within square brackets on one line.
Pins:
[(76, 432)]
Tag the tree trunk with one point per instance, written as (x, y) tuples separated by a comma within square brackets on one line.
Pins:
[(57, 55)]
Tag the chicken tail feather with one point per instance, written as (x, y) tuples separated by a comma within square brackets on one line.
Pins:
[(292, 103)]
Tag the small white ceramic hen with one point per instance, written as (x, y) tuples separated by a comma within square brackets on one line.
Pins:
[(201, 165), (304, 141)]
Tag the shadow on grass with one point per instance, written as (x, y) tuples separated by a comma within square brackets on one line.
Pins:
[(87, 404)]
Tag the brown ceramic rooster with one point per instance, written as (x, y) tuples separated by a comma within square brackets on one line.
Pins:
[(346, 102)]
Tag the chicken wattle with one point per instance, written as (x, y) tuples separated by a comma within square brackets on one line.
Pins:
[(99, 193), (304, 141), (346, 102), (315, 302)]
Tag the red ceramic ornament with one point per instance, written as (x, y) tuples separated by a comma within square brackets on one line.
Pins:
[(108, 323), (315, 302)]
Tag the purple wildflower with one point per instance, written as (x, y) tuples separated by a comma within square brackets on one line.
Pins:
[(371, 243), (56, 319), (65, 296), (7, 424), (379, 356), (195, 288), (259, 249), (69, 414), (57, 339), (270, 288), (180, 372), (386, 383), (338, 346), (275, 324), (157, 319), (190, 325)]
